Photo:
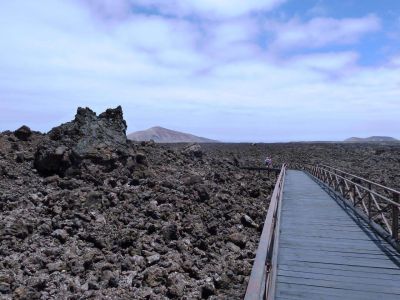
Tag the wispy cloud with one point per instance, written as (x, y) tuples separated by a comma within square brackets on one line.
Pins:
[(209, 9), (333, 63), (321, 32), (318, 10)]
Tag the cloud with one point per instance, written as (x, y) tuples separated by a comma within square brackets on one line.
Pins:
[(167, 41), (319, 9), (231, 40), (331, 62), (109, 9), (209, 8), (321, 32), (395, 60), (212, 78)]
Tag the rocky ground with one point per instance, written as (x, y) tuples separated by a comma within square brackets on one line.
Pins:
[(374, 161), (86, 214)]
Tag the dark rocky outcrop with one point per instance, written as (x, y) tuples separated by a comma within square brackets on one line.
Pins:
[(193, 151), (101, 139), (23, 133), (53, 158), (88, 133)]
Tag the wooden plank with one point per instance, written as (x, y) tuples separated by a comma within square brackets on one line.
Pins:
[(355, 254), (311, 297), (377, 270), (323, 293), (344, 261), (327, 241), (382, 282), (339, 227), (317, 297), (323, 227), (317, 221), (365, 273), (344, 244), (342, 285), (311, 235), (355, 250), (338, 234)]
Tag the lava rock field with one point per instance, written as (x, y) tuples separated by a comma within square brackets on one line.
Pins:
[(87, 214)]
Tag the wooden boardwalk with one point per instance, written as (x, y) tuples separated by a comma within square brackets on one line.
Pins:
[(326, 252)]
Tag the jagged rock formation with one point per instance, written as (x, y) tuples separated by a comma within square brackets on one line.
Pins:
[(99, 138), (87, 132)]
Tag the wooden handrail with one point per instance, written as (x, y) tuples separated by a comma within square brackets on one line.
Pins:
[(261, 281), (369, 203), (365, 188), (363, 179)]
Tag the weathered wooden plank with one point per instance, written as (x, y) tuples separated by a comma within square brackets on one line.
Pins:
[(328, 266), (322, 293), (345, 254), (327, 241), (351, 250), (332, 244), (334, 227), (337, 235), (349, 285), (365, 273), (382, 282), (326, 226), (317, 297), (354, 237), (344, 261)]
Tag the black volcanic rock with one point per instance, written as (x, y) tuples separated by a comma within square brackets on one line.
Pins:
[(99, 138), (193, 150), (23, 133), (87, 132), (50, 158)]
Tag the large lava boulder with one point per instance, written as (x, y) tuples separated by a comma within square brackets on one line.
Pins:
[(193, 151), (23, 133), (101, 139), (51, 158)]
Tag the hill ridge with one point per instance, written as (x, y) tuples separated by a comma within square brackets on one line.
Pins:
[(374, 138), (164, 135)]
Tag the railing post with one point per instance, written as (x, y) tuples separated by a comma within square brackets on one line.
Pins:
[(369, 201), (395, 217), (353, 192)]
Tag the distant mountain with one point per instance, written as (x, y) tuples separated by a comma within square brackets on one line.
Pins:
[(164, 135), (380, 139)]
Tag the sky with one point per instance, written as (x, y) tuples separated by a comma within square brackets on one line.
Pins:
[(231, 70)]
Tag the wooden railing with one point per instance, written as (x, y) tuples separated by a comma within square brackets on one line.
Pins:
[(262, 279), (376, 203)]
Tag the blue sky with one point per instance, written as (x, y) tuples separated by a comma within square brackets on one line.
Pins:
[(232, 70)]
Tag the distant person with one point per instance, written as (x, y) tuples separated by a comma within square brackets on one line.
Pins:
[(268, 162)]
